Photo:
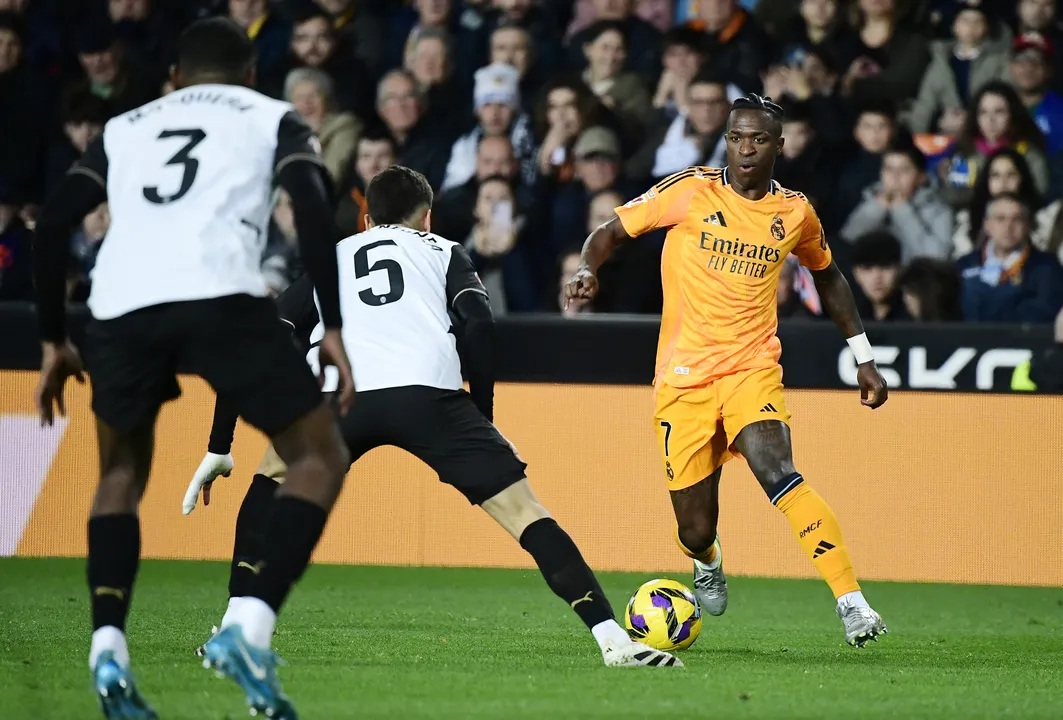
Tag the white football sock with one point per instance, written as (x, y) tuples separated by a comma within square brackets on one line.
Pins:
[(609, 634), (109, 638), (850, 599), (230, 611), (256, 619)]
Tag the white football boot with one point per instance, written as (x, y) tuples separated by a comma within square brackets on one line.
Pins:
[(710, 584), (861, 622), (635, 654)]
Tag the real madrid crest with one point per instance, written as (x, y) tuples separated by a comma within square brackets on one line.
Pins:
[(777, 230)]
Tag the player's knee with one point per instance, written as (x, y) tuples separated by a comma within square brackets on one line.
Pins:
[(515, 508), (696, 536)]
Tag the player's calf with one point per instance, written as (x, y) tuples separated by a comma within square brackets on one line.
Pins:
[(567, 574), (766, 446), (697, 510)]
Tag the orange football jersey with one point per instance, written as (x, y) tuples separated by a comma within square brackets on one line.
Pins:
[(720, 270)]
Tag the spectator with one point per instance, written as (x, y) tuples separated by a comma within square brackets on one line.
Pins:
[(876, 265), (540, 26), (453, 211), (566, 108), (16, 247), (84, 246), (311, 92), (998, 120), (498, 114), (805, 164), (958, 67), (658, 13), (511, 45), (621, 91), (904, 203), (269, 32), (738, 47), (1006, 172), (84, 116), (314, 44), (494, 246), (810, 77), (1048, 229), (146, 34), (795, 296), (429, 62), (420, 146), (597, 168), (1031, 74), (873, 133), (931, 290), (467, 44), (820, 29), (1040, 16), (692, 139), (642, 41), (20, 111), (888, 61), (1009, 280), (360, 30), (684, 54), (374, 153), (107, 73)]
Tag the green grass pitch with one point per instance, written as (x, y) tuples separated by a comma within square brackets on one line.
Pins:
[(452, 643)]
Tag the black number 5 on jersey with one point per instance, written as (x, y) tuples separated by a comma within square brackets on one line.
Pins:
[(362, 268), (189, 165)]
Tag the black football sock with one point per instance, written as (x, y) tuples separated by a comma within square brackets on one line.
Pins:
[(293, 528), (565, 572), (114, 553), (250, 535)]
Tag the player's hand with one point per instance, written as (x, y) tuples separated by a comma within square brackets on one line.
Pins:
[(582, 286), (212, 467), (332, 352), (58, 364), (873, 390)]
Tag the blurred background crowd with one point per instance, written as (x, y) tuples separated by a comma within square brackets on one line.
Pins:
[(928, 134)]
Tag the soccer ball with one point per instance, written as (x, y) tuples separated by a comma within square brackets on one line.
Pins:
[(663, 614)]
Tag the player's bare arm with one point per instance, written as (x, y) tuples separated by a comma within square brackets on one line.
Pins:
[(838, 300), (597, 249)]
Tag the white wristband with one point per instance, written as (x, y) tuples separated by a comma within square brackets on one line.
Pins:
[(861, 348)]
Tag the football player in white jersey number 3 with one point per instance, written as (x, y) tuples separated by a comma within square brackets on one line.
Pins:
[(409, 298), (177, 286)]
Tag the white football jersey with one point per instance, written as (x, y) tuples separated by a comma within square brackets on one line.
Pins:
[(397, 287), (189, 180)]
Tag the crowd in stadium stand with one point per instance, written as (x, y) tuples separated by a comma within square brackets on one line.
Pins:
[(928, 134)]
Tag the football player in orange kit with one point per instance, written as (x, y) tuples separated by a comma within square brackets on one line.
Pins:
[(718, 380)]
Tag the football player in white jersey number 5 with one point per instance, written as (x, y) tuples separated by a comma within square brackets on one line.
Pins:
[(178, 287), (409, 298)]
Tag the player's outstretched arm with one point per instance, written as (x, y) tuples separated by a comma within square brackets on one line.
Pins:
[(597, 249), (837, 298)]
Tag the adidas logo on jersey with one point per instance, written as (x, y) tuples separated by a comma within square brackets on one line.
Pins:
[(716, 218)]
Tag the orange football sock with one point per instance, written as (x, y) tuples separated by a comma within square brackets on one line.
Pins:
[(818, 533), (706, 556)]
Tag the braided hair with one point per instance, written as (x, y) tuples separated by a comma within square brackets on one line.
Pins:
[(752, 101)]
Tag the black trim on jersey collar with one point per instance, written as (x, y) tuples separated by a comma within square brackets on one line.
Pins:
[(726, 181)]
